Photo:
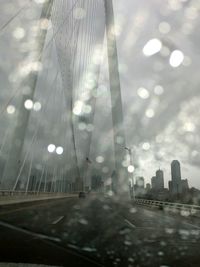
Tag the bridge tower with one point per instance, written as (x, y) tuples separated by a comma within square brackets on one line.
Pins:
[(120, 182), (17, 140)]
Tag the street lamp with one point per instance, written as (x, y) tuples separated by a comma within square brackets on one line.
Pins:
[(132, 178), (132, 191)]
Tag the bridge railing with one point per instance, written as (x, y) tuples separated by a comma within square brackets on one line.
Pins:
[(184, 209)]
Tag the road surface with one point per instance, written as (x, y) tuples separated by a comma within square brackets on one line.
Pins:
[(97, 231)]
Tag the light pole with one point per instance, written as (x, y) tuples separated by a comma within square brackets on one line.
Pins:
[(132, 191), (132, 178)]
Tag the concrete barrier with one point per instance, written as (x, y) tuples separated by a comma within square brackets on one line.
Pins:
[(14, 197)]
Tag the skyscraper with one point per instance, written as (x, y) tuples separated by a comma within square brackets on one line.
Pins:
[(176, 177), (139, 186), (148, 187), (153, 182), (184, 185), (140, 182), (159, 179), (170, 186)]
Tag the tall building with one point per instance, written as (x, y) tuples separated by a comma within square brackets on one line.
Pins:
[(139, 186), (170, 186), (184, 185), (176, 177), (159, 180), (148, 186), (140, 182), (153, 182)]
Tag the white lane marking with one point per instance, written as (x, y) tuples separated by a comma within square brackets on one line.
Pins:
[(130, 224), (28, 232), (58, 220)]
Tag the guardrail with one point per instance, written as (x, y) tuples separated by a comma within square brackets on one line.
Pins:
[(184, 209)]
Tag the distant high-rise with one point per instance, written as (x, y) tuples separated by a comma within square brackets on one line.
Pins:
[(184, 185), (139, 186), (159, 180), (148, 187), (176, 177), (170, 186), (176, 171), (153, 182), (140, 182)]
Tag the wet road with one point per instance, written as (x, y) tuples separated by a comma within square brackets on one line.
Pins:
[(97, 231)]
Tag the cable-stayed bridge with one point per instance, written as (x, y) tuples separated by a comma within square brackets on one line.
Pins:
[(52, 145), (62, 122)]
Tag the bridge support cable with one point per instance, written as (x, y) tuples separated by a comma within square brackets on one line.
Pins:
[(38, 125), (11, 168), (95, 66), (29, 174), (16, 15), (40, 182), (65, 41), (45, 181), (76, 65), (84, 39), (24, 161)]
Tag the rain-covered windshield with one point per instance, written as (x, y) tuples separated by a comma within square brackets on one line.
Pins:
[(99, 132)]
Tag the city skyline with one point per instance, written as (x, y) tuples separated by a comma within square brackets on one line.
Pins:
[(159, 181), (178, 188), (149, 167)]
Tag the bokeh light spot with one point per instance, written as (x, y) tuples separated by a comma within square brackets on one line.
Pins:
[(176, 58), (51, 148), (152, 47), (28, 104)]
